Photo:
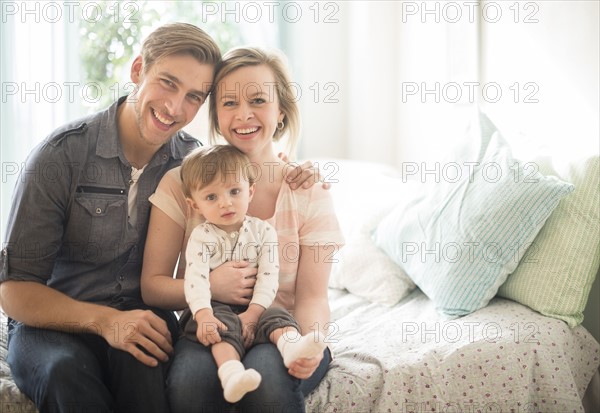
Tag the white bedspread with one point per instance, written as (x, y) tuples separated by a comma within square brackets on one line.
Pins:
[(407, 358)]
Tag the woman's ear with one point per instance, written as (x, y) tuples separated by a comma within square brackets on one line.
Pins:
[(137, 68), (251, 192), (192, 204)]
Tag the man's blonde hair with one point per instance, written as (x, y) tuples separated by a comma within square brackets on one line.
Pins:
[(179, 39), (204, 165), (240, 57)]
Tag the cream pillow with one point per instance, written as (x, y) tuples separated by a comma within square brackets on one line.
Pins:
[(367, 271)]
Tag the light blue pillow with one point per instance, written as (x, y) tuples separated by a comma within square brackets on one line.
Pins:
[(465, 234)]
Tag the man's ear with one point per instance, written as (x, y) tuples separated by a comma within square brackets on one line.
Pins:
[(137, 68)]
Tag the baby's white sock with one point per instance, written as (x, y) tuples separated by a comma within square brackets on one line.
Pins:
[(236, 380), (292, 347)]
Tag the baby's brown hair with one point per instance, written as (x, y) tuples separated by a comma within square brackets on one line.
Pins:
[(205, 164)]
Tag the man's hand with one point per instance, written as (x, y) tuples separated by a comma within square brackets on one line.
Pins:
[(141, 333), (305, 175), (208, 327), (233, 282)]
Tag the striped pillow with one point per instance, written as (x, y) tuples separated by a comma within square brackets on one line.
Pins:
[(467, 233), (557, 273)]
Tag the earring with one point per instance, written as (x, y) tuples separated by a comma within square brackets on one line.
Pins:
[(280, 125)]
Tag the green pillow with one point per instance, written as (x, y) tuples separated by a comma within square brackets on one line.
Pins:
[(557, 272)]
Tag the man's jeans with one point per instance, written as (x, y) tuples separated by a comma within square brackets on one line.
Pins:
[(64, 372)]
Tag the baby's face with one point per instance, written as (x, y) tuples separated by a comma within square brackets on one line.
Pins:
[(224, 202)]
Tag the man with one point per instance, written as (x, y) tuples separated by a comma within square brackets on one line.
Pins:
[(81, 338)]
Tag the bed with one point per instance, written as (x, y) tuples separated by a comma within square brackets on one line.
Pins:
[(406, 337), (522, 347)]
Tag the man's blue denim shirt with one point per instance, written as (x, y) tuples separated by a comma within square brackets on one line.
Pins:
[(68, 227)]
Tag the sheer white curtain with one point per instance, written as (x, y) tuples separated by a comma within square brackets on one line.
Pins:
[(403, 77), (547, 57), (369, 80), (40, 87)]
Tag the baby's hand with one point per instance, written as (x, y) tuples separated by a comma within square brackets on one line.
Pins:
[(208, 327), (249, 323)]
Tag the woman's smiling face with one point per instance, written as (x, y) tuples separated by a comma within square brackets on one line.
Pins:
[(248, 109)]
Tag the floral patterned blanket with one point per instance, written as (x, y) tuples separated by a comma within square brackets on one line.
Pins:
[(407, 358)]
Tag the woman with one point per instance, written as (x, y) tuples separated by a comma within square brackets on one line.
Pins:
[(252, 107)]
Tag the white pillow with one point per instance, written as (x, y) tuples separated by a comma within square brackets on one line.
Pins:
[(363, 192), (367, 271)]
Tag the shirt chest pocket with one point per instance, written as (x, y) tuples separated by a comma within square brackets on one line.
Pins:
[(98, 219)]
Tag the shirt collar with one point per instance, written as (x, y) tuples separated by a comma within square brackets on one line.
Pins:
[(108, 133), (178, 149), (223, 233)]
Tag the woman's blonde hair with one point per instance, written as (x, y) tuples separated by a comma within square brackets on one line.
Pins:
[(182, 39), (240, 57), (204, 165)]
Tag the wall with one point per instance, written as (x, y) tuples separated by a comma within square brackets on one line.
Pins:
[(591, 314)]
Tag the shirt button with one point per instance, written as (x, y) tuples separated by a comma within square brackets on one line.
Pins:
[(98, 210), (165, 157), (121, 277)]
